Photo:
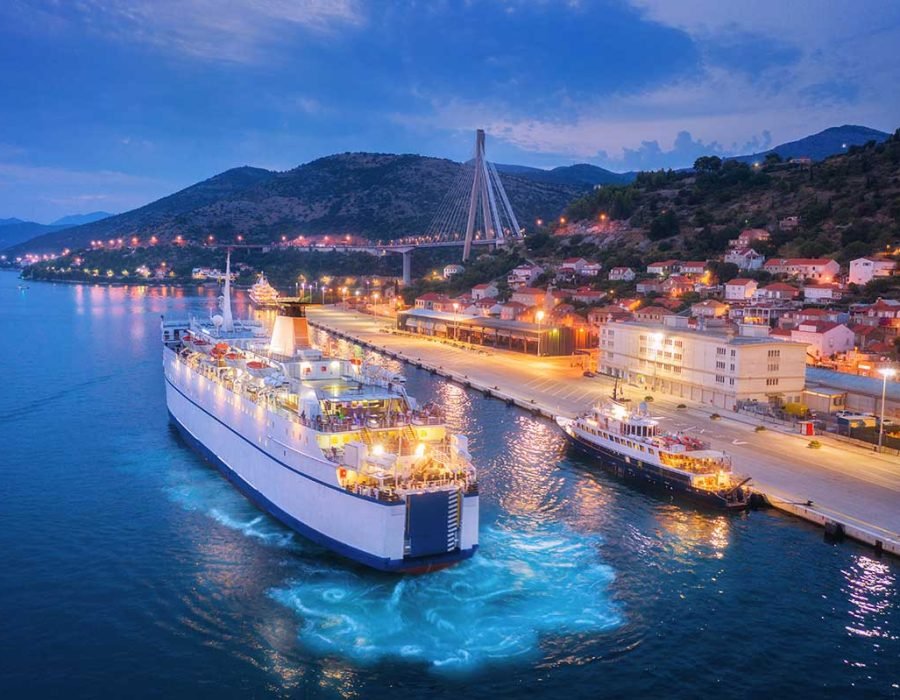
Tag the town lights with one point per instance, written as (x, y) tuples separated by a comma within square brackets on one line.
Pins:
[(885, 372)]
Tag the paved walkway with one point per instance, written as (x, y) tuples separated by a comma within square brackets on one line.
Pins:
[(846, 484)]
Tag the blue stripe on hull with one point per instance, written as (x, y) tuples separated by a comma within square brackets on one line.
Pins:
[(357, 555), (616, 464)]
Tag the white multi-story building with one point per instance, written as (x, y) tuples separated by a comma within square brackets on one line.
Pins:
[(862, 270), (713, 367)]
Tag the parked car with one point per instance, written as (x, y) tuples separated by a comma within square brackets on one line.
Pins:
[(588, 373)]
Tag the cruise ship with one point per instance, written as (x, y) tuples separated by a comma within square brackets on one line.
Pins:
[(332, 447), (262, 294), (630, 444)]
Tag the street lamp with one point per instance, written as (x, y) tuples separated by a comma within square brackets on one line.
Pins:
[(885, 373), (324, 289), (455, 320), (540, 319), (375, 296)]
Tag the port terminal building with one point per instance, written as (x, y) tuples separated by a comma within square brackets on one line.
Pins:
[(714, 366), (519, 336)]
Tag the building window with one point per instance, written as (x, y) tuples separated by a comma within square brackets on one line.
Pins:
[(720, 351), (720, 364), (772, 381), (774, 353), (720, 379)]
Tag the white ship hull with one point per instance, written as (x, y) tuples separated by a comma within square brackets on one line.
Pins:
[(277, 464)]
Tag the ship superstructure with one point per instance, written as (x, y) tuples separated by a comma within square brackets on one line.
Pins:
[(333, 447), (262, 294), (630, 444)]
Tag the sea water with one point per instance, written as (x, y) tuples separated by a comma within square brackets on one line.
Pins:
[(132, 568)]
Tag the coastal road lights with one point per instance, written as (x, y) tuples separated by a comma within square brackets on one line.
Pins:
[(375, 296), (885, 372), (324, 289), (540, 319)]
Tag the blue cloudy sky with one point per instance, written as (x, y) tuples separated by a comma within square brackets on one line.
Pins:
[(109, 104)]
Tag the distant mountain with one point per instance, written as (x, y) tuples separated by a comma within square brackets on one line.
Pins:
[(78, 219), (580, 175), (18, 233), (829, 142), (377, 196), (10, 222)]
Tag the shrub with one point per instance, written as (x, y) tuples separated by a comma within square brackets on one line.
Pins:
[(814, 444), (715, 416), (681, 405), (760, 428), (648, 398)]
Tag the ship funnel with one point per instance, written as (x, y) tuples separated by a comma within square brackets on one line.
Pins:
[(291, 332), (228, 319)]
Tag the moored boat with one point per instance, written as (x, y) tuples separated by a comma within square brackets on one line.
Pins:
[(262, 294), (630, 444)]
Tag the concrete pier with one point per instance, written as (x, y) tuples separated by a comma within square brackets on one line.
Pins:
[(836, 485)]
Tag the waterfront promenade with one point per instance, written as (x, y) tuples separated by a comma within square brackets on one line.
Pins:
[(845, 484)]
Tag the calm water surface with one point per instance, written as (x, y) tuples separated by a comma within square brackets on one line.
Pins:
[(130, 568)]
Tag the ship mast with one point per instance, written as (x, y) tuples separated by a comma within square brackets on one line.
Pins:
[(228, 323)]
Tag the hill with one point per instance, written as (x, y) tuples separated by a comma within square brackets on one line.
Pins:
[(848, 206), (579, 175), (829, 142), (78, 219), (12, 234), (376, 196), (10, 222)]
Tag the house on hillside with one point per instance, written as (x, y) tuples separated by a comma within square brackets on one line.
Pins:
[(823, 338), (608, 314), (864, 270), (432, 301), (572, 267), (745, 258), (821, 293), (651, 314), (529, 296), (621, 274), (711, 308), (663, 267), (591, 269), (819, 269), (748, 237), (777, 290), (693, 267), (740, 289), (485, 290), (523, 275)]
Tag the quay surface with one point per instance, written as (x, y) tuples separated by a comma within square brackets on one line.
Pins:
[(839, 484)]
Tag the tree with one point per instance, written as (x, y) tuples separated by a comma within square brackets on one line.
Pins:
[(708, 164), (772, 158), (664, 226)]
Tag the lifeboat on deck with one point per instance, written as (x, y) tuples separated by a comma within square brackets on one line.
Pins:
[(259, 369)]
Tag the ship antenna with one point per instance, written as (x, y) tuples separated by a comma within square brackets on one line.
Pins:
[(228, 324)]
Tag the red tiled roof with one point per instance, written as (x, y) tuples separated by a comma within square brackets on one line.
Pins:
[(780, 287), (530, 290), (740, 282)]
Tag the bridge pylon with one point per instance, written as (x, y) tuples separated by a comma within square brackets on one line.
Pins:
[(486, 190)]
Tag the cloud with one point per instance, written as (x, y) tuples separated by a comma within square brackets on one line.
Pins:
[(225, 30), (768, 72)]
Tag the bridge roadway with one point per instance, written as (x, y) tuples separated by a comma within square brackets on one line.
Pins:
[(846, 484)]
